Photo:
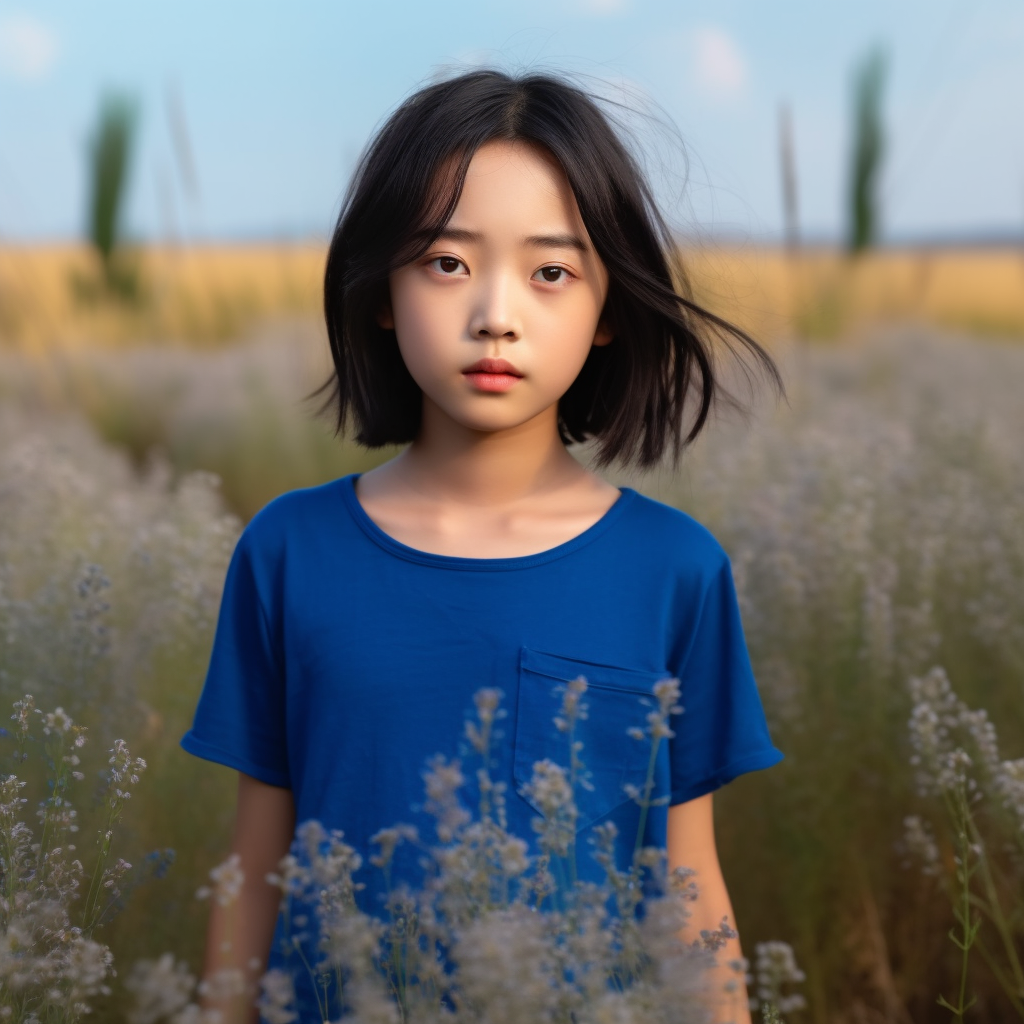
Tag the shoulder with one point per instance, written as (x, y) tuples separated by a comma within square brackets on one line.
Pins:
[(298, 514), (674, 536)]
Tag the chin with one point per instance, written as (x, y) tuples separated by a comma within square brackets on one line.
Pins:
[(491, 424)]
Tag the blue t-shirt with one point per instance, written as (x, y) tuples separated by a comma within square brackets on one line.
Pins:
[(344, 659)]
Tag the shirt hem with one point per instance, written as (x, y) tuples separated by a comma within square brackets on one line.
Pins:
[(752, 762), (200, 748)]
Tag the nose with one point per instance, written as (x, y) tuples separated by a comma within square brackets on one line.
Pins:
[(493, 315)]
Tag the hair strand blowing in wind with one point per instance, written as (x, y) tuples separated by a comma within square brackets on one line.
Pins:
[(646, 394)]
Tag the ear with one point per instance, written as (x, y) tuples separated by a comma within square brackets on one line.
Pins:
[(385, 317), (604, 334)]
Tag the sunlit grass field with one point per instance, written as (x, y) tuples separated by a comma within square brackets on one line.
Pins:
[(874, 523), (201, 296), (204, 296)]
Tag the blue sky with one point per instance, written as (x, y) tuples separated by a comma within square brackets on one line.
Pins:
[(278, 98)]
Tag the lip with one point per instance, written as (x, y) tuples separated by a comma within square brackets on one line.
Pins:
[(497, 367), (492, 381)]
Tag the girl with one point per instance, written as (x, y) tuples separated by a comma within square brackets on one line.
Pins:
[(499, 285)]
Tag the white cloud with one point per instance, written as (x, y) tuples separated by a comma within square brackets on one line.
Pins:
[(719, 67), (28, 49)]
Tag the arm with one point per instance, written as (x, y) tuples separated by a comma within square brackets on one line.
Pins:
[(242, 931), (691, 843)]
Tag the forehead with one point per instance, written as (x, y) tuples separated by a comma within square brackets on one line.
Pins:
[(516, 185)]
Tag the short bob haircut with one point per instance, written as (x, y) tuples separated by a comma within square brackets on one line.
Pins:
[(650, 390)]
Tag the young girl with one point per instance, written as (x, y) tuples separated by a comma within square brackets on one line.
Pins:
[(499, 285)]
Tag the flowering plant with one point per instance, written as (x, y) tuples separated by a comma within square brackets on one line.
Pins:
[(958, 766), (494, 934), (51, 966), (479, 908)]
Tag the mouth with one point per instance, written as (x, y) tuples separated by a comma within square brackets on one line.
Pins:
[(492, 374), (493, 367)]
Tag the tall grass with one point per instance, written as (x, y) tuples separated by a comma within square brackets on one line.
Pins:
[(874, 528), (109, 587), (109, 164), (867, 151), (237, 412), (574, 962)]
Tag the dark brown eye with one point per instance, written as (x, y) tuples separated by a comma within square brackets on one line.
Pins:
[(448, 264), (551, 274)]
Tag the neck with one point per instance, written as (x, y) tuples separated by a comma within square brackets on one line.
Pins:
[(480, 467)]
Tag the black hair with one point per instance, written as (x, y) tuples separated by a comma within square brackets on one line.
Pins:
[(650, 390)]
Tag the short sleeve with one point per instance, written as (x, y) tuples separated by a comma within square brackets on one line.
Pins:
[(240, 718), (722, 732)]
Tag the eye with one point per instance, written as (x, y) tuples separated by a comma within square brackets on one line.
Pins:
[(552, 275), (447, 266)]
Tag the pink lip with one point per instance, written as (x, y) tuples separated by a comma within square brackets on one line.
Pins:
[(492, 381), (493, 366), (492, 374)]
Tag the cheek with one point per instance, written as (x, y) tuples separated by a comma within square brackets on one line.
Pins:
[(421, 328), (413, 343), (573, 325)]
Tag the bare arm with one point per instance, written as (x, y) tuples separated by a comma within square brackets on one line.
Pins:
[(691, 843), (242, 931)]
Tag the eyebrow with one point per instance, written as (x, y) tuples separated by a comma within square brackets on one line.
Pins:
[(564, 241), (557, 241)]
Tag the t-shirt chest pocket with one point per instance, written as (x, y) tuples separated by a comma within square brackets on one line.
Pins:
[(617, 699)]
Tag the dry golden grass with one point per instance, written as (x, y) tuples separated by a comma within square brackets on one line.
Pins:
[(205, 295), (822, 293), (51, 297)]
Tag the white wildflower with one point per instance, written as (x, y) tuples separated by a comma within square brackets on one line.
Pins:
[(1009, 784), (505, 964), (372, 1002), (486, 700), (23, 709), (277, 997), (192, 1013), (160, 988), (920, 842), (57, 721), (388, 839), (549, 791), (775, 967), (223, 984), (574, 707), (443, 780), (479, 733), (667, 691), (228, 878), (87, 967)]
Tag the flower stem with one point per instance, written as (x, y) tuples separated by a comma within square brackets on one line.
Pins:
[(996, 911), (645, 804), (969, 929)]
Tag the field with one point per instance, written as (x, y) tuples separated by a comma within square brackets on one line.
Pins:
[(205, 296), (874, 523)]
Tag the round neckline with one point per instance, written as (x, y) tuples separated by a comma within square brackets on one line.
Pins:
[(411, 554)]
